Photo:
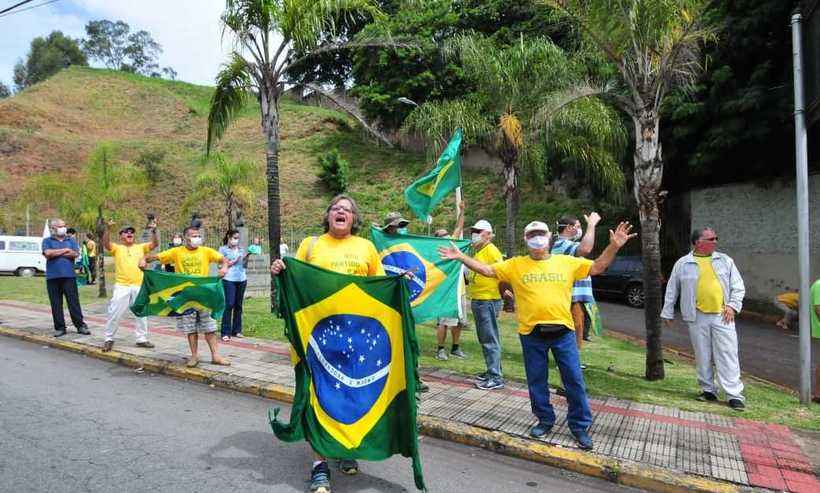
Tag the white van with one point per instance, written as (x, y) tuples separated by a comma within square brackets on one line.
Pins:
[(22, 255)]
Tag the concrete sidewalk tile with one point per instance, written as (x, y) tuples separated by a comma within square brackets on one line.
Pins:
[(489, 401)]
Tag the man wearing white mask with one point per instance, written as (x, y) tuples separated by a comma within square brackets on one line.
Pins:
[(573, 241), (194, 259), (60, 252), (486, 305), (543, 288)]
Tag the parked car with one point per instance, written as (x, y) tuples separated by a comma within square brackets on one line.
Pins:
[(623, 279), (22, 255)]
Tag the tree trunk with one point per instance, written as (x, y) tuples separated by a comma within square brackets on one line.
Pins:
[(648, 176), (511, 203), (100, 230), (269, 100)]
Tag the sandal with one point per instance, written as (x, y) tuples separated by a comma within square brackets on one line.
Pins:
[(192, 363)]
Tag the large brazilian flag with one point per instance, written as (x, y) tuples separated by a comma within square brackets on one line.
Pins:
[(169, 294), (435, 283), (354, 349), (426, 192)]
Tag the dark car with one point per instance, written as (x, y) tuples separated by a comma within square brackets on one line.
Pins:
[(623, 279)]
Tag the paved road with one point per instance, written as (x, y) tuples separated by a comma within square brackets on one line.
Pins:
[(765, 351), (70, 423)]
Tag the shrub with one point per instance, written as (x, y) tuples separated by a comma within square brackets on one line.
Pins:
[(334, 171)]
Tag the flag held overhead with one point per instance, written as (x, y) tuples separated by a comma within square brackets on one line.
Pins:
[(425, 193)]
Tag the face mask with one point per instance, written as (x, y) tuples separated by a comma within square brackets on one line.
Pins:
[(233, 241), (196, 241), (177, 241), (538, 242), (475, 238), (61, 231), (401, 231), (578, 235)]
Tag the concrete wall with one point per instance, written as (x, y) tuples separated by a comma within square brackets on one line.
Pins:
[(757, 226)]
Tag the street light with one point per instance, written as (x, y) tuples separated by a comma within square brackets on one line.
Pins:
[(407, 101)]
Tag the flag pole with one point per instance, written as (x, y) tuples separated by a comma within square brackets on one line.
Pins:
[(458, 207)]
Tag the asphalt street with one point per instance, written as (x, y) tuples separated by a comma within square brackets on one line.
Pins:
[(69, 423), (765, 351)]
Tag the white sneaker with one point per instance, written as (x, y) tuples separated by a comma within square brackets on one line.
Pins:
[(441, 354)]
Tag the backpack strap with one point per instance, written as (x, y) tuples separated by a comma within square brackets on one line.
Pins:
[(313, 240)]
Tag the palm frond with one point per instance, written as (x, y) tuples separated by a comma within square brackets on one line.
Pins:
[(437, 120), (232, 85)]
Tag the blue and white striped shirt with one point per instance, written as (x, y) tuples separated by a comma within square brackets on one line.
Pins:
[(581, 290)]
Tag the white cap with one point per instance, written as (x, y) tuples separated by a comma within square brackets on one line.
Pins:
[(536, 226), (483, 225)]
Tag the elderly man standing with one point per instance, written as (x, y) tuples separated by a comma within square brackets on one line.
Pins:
[(61, 280), (543, 287), (127, 281), (711, 294)]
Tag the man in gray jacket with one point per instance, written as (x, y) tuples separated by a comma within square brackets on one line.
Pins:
[(711, 294)]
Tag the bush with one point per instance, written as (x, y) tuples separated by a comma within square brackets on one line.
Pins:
[(334, 171)]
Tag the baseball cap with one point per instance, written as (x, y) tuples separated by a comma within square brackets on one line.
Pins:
[(126, 228), (536, 226), (482, 225), (395, 219)]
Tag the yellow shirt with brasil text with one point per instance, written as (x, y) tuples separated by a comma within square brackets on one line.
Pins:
[(543, 288), (484, 288), (709, 294), (194, 262), (352, 255), (127, 262)]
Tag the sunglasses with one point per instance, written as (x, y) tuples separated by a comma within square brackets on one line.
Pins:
[(714, 238)]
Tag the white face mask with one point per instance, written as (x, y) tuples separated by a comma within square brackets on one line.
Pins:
[(196, 241), (177, 241), (538, 242), (233, 241), (61, 231), (475, 238)]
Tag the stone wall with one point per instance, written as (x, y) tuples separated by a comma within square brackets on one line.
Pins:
[(757, 226)]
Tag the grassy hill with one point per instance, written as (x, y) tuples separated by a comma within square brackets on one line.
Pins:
[(53, 126)]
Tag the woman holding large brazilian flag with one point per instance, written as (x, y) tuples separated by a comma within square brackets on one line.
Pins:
[(353, 347)]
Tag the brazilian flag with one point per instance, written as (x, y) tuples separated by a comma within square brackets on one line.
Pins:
[(426, 192), (168, 294), (435, 284), (355, 353)]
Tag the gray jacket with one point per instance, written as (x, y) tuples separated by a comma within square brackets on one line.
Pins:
[(684, 280)]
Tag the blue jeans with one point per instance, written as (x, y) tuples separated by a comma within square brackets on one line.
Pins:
[(232, 316), (536, 364), (486, 313)]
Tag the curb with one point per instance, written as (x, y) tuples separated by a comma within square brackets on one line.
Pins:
[(617, 471)]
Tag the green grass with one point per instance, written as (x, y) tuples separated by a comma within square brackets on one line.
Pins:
[(33, 290), (615, 368)]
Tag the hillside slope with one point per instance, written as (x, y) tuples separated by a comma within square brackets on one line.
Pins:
[(53, 126)]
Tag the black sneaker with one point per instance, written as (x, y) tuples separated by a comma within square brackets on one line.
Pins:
[(540, 430), (320, 478), (737, 404), (482, 377), (349, 466), (59, 333), (491, 384), (84, 331), (707, 397), (583, 439)]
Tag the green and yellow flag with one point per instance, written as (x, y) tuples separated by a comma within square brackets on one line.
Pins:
[(355, 353), (167, 294), (426, 192), (435, 284)]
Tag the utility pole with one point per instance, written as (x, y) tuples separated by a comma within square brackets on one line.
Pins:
[(801, 143)]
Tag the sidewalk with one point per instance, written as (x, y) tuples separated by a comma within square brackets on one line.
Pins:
[(647, 446)]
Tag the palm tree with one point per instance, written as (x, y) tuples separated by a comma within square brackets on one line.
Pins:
[(655, 46), (524, 93), (231, 180), (270, 37)]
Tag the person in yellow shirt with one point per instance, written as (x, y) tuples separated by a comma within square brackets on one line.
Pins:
[(127, 281), (789, 302), (543, 288), (193, 259), (339, 250), (485, 302), (91, 248)]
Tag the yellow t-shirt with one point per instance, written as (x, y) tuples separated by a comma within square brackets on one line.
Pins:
[(352, 255), (91, 247), (194, 262), (127, 262), (543, 288), (709, 293), (792, 300), (483, 287)]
